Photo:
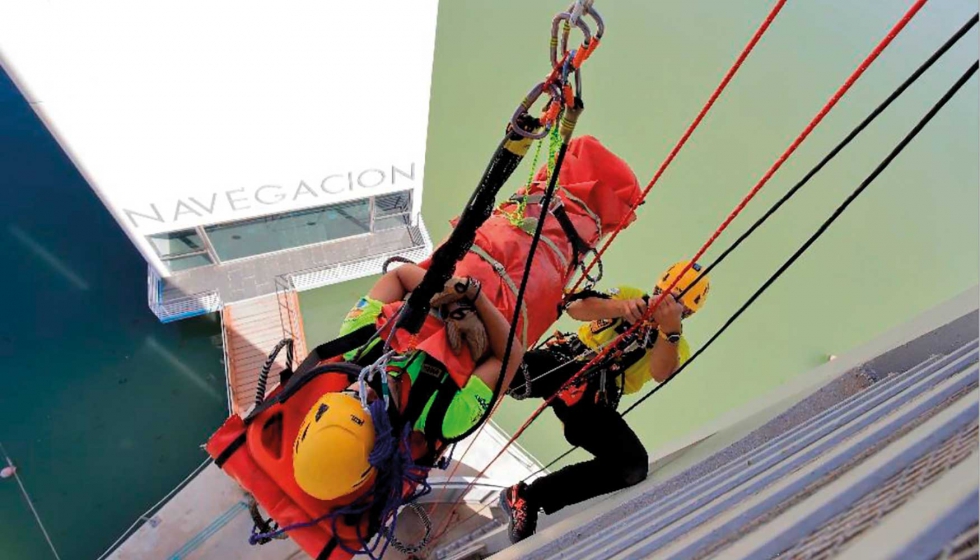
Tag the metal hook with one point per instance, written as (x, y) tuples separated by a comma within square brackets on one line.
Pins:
[(578, 8), (367, 373), (581, 8), (565, 16), (529, 100)]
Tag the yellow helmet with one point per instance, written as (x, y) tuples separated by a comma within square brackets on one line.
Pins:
[(330, 456), (695, 297)]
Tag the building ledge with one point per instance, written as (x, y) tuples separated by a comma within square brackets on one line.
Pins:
[(209, 288)]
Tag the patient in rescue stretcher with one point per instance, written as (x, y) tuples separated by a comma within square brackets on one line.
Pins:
[(442, 387)]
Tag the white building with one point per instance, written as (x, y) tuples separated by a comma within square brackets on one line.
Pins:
[(235, 143)]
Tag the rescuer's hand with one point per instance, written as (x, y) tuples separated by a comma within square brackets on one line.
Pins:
[(464, 325), (667, 315), (633, 309), (456, 289)]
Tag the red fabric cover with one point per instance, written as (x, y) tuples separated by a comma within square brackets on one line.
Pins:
[(600, 179), (263, 466), (592, 174)]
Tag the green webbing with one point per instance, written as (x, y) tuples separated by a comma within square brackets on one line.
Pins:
[(554, 141), (517, 217)]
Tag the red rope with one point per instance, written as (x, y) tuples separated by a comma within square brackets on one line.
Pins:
[(687, 133), (896, 29), (663, 166)]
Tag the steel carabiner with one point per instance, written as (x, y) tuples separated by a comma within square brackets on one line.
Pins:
[(529, 100), (565, 16)]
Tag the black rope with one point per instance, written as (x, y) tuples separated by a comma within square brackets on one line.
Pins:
[(504, 161), (395, 259), (823, 227), (847, 140), (535, 239), (267, 367), (826, 159)]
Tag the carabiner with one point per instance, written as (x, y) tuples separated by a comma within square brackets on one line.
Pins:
[(600, 24), (567, 68), (578, 8), (529, 100), (565, 16)]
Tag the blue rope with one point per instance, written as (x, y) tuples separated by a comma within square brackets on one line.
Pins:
[(392, 459)]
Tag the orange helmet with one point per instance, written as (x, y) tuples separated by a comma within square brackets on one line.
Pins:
[(695, 296)]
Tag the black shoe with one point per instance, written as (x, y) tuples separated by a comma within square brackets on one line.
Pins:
[(523, 518)]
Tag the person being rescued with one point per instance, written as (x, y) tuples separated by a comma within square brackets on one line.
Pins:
[(598, 193), (587, 407), (476, 332)]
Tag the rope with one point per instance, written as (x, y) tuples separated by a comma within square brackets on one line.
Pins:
[(854, 133), (260, 525), (508, 350), (881, 167), (735, 212), (687, 133), (423, 542), (516, 217), (751, 194), (392, 459), (847, 140), (395, 259), (826, 224), (146, 515), (286, 343), (30, 503)]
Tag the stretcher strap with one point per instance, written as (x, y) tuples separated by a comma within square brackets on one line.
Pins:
[(502, 272), (585, 208)]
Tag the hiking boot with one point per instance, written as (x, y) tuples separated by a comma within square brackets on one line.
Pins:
[(523, 519)]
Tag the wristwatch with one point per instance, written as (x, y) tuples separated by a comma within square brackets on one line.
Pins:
[(673, 337)]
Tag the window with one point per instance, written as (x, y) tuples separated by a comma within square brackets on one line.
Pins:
[(395, 203), (180, 250), (392, 210), (189, 261), (288, 231), (176, 243), (191, 248)]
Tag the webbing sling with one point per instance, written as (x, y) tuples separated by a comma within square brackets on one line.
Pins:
[(502, 272)]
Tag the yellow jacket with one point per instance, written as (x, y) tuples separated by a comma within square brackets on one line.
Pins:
[(599, 332)]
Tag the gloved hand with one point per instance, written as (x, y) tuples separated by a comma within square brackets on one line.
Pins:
[(463, 324), (456, 289)]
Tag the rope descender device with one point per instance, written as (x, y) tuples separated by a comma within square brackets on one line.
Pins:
[(557, 85)]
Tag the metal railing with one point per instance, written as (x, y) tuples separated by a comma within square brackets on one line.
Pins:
[(174, 309), (226, 361), (287, 315), (326, 275)]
